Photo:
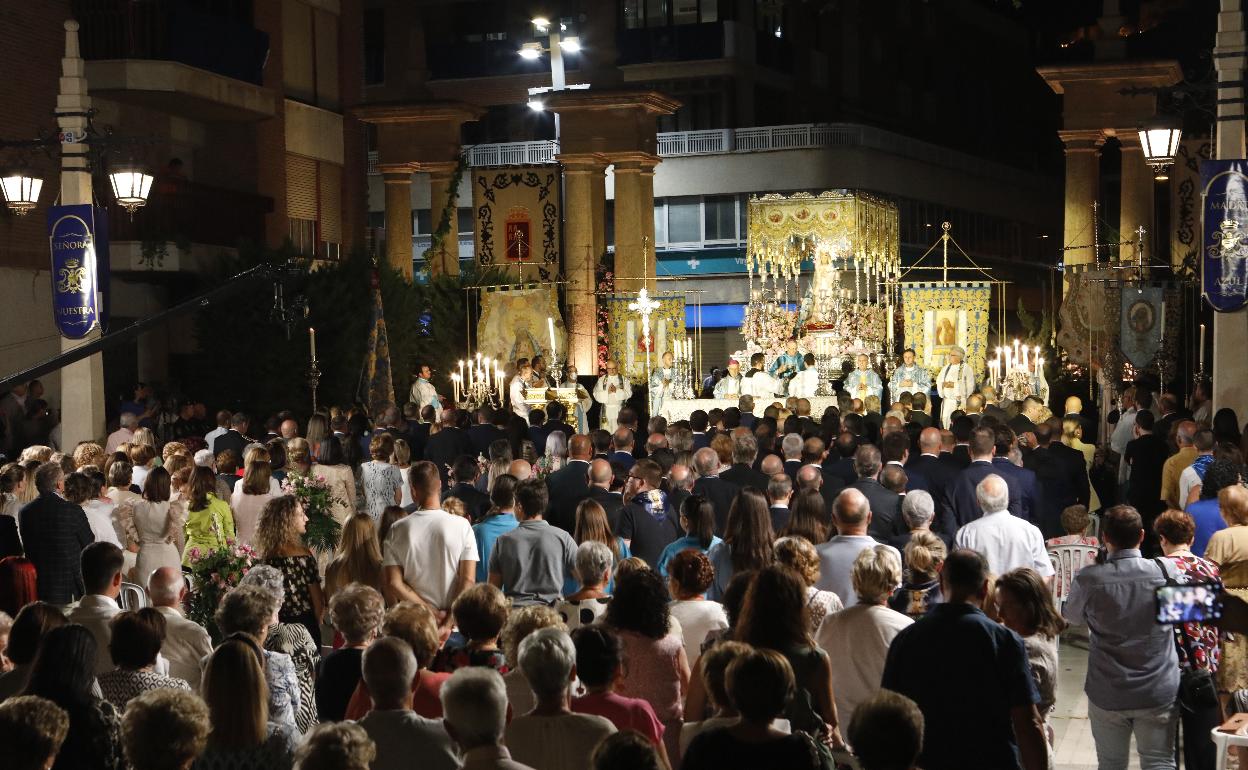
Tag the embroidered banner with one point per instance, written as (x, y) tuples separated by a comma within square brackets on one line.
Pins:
[(940, 315), (1143, 314), (627, 345), (513, 323), (380, 385), (78, 240), (516, 210), (1224, 230)]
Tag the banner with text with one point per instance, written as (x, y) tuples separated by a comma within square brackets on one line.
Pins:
[(1224, 233), (78, 240)]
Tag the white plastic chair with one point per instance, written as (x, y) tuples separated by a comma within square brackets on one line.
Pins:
[(1067, 560), (1223, 741), (133, 597)]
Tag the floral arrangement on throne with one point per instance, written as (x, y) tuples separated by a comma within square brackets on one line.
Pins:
[(767, 325)]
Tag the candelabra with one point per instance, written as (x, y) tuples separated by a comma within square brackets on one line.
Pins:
[(477, 385), (682, 387)]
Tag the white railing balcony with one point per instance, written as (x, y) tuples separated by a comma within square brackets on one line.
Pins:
[(695, 142), (511, 153)]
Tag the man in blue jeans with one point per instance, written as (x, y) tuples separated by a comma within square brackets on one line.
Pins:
[(1133, 670)]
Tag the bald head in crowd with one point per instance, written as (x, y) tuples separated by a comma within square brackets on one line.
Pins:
[(852, 512), (930, 441), (706, 461), (600, 473), (809, 477), (622, 440), (580, 447), (771, 465), (520, 469), (681, 477)]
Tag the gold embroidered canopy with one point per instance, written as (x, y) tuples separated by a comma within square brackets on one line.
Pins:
[(855, 229)]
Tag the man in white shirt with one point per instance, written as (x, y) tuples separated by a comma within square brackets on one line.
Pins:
[(1006, 542), (186, 642), (851, 512), (805, 384), (611, 390), (729, 386), (400, 734), (1194, 474), (1124, 432), (101, 577), (129, 422), (516, 389), (430, 556)]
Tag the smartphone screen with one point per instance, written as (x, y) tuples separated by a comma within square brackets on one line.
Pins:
[(1191, 603)]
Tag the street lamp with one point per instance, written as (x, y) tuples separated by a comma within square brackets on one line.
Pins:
[(21, 190), (1160, 142), (131, 184)]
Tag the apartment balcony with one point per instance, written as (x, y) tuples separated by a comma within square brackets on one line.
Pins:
[(182, 217), (505, 154), (173, 57)]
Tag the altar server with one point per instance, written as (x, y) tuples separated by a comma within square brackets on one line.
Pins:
[(582, 397), (424, 394), (909, 377), (863, 381), (787, 364), (518, 383), (806, 383), (757, 382), (729, 386), (955, 386), (662, 382), (611, 390)]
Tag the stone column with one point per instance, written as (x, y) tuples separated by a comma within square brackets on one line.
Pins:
[(398, 181), (1083, 151), (1230, 330), (1137, 199), (634, 221), (82, 382), (446, 260), (581, 231)]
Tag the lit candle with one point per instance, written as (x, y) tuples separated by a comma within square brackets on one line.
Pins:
[(550, 326), (312, 341), (1014, 360), (455, 386), (1024, 358), (1202, 339), (461, 369), (889, 342)]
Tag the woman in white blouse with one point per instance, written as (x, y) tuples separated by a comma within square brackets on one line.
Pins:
[(154, 526), (251, 493)]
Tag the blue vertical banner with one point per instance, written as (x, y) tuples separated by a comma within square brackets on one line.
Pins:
[(1224, 233), (78, 240)]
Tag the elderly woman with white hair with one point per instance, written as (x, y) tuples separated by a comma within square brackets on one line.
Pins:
[(594, 562), (290, 639), (552, 736), (918, 510), (556, 455), (857, 639)]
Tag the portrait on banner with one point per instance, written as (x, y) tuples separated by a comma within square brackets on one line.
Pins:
[(513, 324), (938, 317)]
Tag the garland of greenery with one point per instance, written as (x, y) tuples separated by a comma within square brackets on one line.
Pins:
[(449, 211)]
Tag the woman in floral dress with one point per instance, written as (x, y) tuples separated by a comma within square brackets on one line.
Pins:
[(279, 541)]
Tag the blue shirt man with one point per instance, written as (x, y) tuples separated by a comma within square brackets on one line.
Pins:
[(787, 364)]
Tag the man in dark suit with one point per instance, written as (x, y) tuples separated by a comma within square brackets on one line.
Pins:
[(537, 429), (940, 477), (744, 452), (895, 450), (445, 446), (464, 487), (235, 438), (679, 485), (418, 429), (918, 410), (1172, 412), (962, 498), (885, 504), (54, 532), (600, 475), (1146, 455), (555, 412), (791, 448), (1052, 473), (1005, 443), (961, 429), (746, 405), (484, 432), (623, 444), (815, 456), (721, 493), (992, 407), (569, 485), (842, 465), (601, 440), (779, 493), (698, 424)]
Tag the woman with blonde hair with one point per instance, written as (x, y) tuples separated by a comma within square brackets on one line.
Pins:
[(143, 459), (358, 557), (318, 429), (209, 520), (500, 462), (153, 525), (279, 542), (331, 465), (382, 482), (1228, 548), (402, 459), (242, 734), (799, 555), (1072, 436), (252, 493), (920, 589), (592, 524)]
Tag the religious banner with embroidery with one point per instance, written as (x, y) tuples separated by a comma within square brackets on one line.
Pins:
[(1086, 319), (624, 332), (514, 323), (937, 316), (1224, 231), (1185, 206), (1143, 314), (78, 241), (516, 218), (377, 359)]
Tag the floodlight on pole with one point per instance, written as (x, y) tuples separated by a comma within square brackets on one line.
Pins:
[(531, 51)]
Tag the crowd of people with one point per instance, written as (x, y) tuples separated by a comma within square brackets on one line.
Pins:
[(736, 590)]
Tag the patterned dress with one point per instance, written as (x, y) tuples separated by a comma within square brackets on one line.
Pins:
[(1185, 567), (120, 685), (300, 574), (292, 639)]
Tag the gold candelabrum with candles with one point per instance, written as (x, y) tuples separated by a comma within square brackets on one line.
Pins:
[(479, 382)]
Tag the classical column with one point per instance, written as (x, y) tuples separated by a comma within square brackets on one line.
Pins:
[(398, 181), (1137, 198), (1083, 150), (581, 229), (634, 220), (441, 174), (1230, 330), (82, 382)]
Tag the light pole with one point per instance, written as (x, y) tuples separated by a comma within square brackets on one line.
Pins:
[(557, 46)]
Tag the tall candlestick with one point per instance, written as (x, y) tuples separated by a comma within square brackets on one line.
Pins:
[(1202, 343), (312, 341), (550, 326), (1014, 360), (1023, 360), (461, 370)]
